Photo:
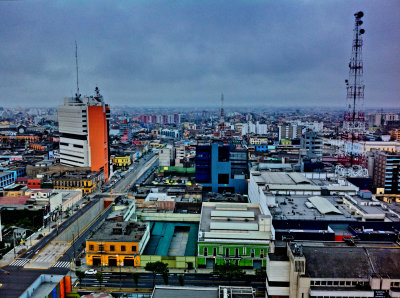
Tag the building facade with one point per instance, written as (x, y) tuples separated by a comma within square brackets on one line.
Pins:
[(386, 172), (117, 244), (238, 233), (290, 132), (318, 270), (222, 168), (121, 161), (87, 182), (84, 131)]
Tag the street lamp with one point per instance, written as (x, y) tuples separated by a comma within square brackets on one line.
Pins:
[(214, 263), (14, 241), (120, 274)]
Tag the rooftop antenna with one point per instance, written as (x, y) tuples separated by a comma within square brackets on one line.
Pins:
[(222, 112), (77, 76)]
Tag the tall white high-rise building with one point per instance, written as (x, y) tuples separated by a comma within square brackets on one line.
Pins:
[(83, 127)]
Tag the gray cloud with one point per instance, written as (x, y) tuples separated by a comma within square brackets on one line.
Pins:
[(187, 52)]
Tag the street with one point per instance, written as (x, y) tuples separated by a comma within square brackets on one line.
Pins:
[(145, 281), (14, 284)]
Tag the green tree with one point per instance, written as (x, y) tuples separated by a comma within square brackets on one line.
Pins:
[(261, 274), (135, 277), (165, 277), (229, 271), (99, 277), (80, 275), (181, 280), (156, 268)]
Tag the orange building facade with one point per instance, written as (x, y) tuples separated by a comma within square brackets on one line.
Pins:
[(98, 139)]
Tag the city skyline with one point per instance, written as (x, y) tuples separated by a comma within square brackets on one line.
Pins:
[(186, 54)]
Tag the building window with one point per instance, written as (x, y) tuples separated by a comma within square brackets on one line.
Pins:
[(134, 248), (123, 248), (226, 252), (101, 247), (236, 252), (223, 178), (252, 253), (91, 247), (223, 154), (214, 251), (112, 248), (205, 251)]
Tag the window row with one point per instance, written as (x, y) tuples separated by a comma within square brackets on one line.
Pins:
[(113, 248), (227, 253), (342, 283)]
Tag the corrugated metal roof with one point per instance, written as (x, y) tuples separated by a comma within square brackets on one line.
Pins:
[(232, 213), (234, 226), (299, 178), (323, 205)]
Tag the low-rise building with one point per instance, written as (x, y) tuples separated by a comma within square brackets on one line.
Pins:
[(86, 181), (121, 161), (333, 270), (6, 178), (265, 186), (117, 244), (238, 232)]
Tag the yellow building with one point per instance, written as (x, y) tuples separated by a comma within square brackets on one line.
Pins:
[(258, 140), (86, 182), (117, 244), (395, 134), (121, 161), (286, 142)]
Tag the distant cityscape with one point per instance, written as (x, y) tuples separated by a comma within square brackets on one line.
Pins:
[(222, 200)]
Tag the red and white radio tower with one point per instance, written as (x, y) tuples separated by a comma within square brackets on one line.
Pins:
[(353, 129)]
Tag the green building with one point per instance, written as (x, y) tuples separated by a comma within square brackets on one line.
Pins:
[(235, 232)]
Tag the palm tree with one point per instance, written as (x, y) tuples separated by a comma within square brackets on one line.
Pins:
[(156, 268), (99, 277), (135, 277)]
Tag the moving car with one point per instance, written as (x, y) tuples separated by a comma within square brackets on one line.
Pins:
[(90, 272)]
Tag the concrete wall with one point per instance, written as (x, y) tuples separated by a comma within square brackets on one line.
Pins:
[(81, 222), (173, 262), (44, 278), (181, 217)]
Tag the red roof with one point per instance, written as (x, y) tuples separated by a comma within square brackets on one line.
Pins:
[(14, 200)]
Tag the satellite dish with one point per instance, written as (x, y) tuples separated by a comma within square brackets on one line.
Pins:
[(360, 14), (362, 31)]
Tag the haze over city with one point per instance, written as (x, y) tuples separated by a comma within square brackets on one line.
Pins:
[(162, 53)]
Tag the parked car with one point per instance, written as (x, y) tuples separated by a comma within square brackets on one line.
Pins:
[(90, 272)]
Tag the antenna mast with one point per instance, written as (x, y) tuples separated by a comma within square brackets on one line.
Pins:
[(353, 129), (77, 76), (222, 113)]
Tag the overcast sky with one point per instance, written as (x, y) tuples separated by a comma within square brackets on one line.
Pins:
[(185, 53)]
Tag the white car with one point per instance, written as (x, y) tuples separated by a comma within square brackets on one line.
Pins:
[(90, 272)]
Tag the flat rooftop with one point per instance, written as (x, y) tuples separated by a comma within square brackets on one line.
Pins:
[(119, 231), (358, 262), (298, 181), (233, 221), (300, 207)]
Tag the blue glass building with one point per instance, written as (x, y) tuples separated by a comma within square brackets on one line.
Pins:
[(222, 168)]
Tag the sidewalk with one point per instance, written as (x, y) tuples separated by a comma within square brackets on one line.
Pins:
[(32, 240), (131, 269)]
